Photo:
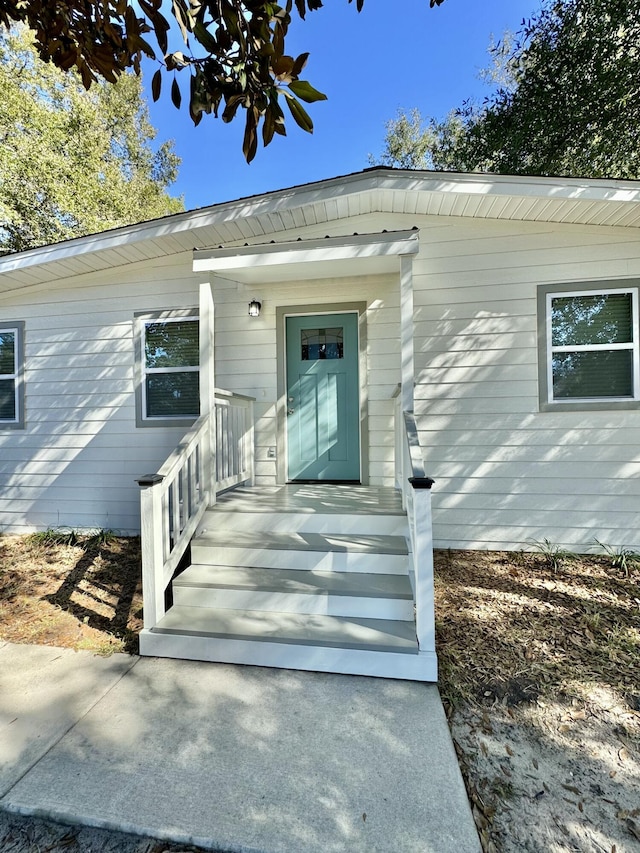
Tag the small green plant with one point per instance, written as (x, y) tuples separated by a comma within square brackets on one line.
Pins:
[(101, 537), (53, 536), (620, 557), (68, 536), (553, 555)]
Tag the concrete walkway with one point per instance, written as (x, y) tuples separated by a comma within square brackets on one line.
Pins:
[(230, 758)]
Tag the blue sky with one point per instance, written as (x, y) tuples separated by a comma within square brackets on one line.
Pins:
[(369, 65)]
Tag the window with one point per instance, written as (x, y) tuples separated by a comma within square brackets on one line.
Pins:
[(11, 385), (317, 344), (590, 344), (169, 354)]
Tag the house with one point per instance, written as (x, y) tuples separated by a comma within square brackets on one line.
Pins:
[(344, 336)]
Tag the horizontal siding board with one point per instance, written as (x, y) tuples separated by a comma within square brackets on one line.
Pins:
[(532, 454)]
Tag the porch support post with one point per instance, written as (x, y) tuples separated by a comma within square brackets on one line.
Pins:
[(207, 386), (406, 333)]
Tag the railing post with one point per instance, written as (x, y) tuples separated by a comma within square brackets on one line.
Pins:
[(152, 550), (423, 563), (248, 445), (207, 385)]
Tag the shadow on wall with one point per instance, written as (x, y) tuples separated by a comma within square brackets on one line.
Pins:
[(76, 462), (507, 473)]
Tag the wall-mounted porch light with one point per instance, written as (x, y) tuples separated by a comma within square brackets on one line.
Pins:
[(254, 308)]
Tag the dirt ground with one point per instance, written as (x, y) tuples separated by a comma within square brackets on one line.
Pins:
[(540, 674), (540, 677)]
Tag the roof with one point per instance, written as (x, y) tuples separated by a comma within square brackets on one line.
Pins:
[(255, 218)]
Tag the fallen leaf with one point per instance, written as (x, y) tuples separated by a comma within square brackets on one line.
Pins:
[(623, 753), (509, 750), (573, 789), (535, 763), (633, 828), (364, 816)]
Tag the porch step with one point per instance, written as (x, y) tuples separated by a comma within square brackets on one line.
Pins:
[(307, 551), (310, 508), (301, 629), (373, 596), (386, 649)]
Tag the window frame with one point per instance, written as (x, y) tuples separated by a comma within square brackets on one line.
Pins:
[(142, 319), (546, 350), (17, 327)]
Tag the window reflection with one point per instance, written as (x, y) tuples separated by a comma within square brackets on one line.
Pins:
[(317, 344)]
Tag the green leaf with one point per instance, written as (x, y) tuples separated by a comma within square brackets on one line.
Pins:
[(250, 141), (176, 96), (268, 127), (156, 84), (300, 115), (205, 38), (306, 91)]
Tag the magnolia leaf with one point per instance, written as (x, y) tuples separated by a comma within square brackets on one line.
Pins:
[(205, 38), (282, 65), (306, 91), (176, 96), (300, 115), (250, 141), (268, 127), (156, 84), (182, 16), (196, 105), (299, 64), (175, 61), (231, 108)]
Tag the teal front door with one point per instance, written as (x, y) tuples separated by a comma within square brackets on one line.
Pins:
[(323, 401)]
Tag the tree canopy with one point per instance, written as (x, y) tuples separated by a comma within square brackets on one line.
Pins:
[(567, 102), (233, 50), (73, 162)]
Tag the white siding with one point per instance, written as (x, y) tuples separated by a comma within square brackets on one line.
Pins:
[(76, 462), (507, 474)]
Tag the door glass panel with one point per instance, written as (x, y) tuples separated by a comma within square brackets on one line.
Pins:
[(317, 344)]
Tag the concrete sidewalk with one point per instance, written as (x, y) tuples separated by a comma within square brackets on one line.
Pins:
[(230, 758)]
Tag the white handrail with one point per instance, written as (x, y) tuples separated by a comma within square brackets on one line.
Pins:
[(212, 456), (415, 486)]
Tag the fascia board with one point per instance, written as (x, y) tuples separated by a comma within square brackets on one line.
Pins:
[(326, 249)]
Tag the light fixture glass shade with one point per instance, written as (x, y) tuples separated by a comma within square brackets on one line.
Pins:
[(254, 308)]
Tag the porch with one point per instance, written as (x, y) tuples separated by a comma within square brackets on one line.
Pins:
[(328, 578)]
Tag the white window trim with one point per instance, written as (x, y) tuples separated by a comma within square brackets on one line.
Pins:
[(547, 350), (143, 320), (17, 327)]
